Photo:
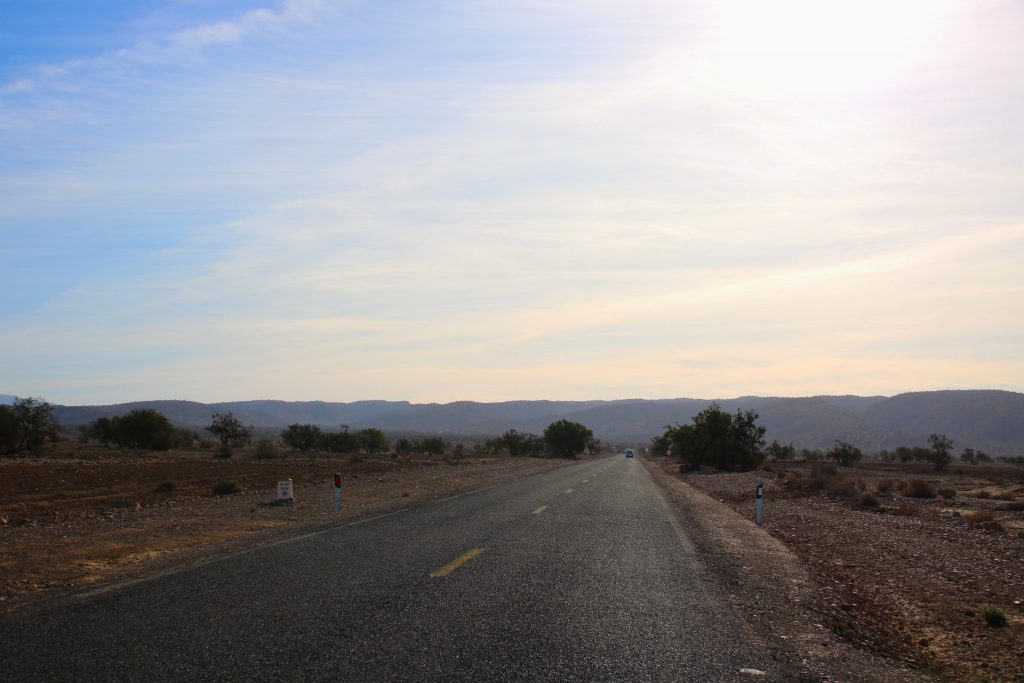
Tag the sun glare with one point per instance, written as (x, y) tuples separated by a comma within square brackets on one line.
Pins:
[(823, 47)]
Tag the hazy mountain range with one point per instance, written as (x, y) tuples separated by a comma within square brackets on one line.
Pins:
[(992, 421)]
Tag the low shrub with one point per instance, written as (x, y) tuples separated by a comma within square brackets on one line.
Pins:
[(992, 525), (226, 488), (823, 469), (223, 451), (885, 486), (843, 488), (1013, 507), (983, 494), (266, 449), (919, 488), (868, 500), (994, 617), (948, 494), (793, 484), (166, 487), (907, 510), (978, 516)]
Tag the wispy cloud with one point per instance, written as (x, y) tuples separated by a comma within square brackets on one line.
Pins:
[(494, 201)]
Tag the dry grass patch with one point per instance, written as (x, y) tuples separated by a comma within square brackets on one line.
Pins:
[(918, 488)]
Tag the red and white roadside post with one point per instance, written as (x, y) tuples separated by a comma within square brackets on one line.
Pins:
[(337, 491)]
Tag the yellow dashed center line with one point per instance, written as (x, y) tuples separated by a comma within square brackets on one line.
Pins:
[(541, 509), (456, 563)]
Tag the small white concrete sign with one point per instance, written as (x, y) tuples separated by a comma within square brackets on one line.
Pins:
[(285, 490)]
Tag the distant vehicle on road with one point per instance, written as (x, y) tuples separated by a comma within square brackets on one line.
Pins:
[(630, 453)]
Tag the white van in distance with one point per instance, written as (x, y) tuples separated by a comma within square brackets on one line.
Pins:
[(630, 453)]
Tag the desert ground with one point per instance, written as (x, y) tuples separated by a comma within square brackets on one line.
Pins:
[(890, 572), (89, 515), (906, 576)]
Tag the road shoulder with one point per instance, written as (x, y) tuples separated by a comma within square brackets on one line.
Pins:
[(768, 585)]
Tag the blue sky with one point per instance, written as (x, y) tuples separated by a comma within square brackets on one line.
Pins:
[(491, 200)]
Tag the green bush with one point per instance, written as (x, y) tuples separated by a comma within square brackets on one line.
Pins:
[(718, 439), (567, 439), (142, 429), (994, 617), (302, 437), (226, 488), (166, 487), (433, 445)]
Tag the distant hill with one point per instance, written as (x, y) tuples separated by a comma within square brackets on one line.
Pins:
[(992, 421)]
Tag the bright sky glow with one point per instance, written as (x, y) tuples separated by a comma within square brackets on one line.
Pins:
[(489, 200)]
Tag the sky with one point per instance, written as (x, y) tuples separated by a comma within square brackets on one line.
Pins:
[(491, 200)]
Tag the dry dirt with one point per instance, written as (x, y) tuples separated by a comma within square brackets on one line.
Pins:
[(69, 523), (907, 579)]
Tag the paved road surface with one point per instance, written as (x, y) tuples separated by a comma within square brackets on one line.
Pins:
[(580, 573)]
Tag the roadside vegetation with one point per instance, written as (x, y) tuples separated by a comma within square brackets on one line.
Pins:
[(715, 439)]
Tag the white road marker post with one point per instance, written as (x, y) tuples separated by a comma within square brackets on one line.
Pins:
[(337, 491), (285, 491), (759, 504)]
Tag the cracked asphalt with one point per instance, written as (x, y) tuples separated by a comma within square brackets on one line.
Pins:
[(580, 573)]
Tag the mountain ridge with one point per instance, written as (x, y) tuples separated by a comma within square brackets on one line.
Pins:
[(990, 420)]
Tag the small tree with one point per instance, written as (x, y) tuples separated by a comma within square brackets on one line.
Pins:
[(372, 440), (520, 443), (342, 441), (845, 453), (434, 445), (10, 430), (718, 439), (780, 452), (34, 424), (302, 437), (594, 445), (941, 451), (567, 439), (142, 428), (101, 429), (230, 430)]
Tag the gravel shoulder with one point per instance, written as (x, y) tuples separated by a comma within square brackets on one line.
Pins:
[(770, 584), (905, 578)]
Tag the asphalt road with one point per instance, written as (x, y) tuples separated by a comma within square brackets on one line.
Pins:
[(580, 573)]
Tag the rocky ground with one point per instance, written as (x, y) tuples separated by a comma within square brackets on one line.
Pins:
[(908, 578)]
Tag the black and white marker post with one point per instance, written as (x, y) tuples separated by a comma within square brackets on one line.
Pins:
[(337, 491), (759, 504)]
